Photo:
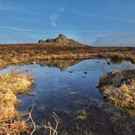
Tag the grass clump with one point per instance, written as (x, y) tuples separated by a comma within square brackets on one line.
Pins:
[(119, 89), (13, 127), (16, 82), (12, 84)]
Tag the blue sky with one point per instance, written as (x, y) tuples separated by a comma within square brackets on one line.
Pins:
[(101, 22)]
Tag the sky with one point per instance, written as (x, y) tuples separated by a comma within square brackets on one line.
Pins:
[(96, 22)]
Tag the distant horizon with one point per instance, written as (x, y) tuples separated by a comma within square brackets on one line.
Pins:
[(92, 22), (94, 44)]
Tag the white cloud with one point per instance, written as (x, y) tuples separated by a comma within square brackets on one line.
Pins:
[(56, 16), (53, 18), (15, 29), (115, 39)]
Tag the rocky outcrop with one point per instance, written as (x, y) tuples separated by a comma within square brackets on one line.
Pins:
[(61, 39)]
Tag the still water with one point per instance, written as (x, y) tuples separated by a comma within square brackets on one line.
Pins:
[(68, 89)]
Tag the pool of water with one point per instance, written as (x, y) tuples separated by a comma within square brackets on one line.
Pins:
[(65, 90)]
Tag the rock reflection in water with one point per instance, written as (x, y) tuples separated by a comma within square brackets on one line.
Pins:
[(61, 64)]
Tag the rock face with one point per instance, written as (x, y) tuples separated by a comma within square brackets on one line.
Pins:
[(59, 39), (119, 88)]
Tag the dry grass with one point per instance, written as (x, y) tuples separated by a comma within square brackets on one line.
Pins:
[(10, 85), (11, 122), (62, 50), (15, 82), (119, 88), (13, 127)]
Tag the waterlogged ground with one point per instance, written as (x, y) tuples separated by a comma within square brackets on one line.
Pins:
[(72, 94)]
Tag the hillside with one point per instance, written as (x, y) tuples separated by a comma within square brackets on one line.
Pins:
[(59, 48)]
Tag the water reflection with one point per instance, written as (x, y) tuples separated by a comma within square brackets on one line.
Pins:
[(61, 64), (69, 89), (65, 85)]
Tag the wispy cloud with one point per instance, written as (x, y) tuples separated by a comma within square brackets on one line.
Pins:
[(12, 28), (54, 17), (11, 34), (9, 7), (115, 39)]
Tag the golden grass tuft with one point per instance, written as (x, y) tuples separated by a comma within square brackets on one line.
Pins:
[(119, 89), (12, 84), (13, 128), (15, 82)]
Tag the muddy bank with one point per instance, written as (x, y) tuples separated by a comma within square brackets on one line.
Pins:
[(119, 88), (12, 84)]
